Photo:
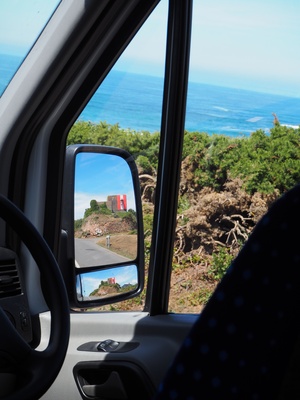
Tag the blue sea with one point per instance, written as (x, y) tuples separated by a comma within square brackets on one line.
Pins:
[(135, 101)]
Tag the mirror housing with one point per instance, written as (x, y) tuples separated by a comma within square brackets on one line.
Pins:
[(112, 281)]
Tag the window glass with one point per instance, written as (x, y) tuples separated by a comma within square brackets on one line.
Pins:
[(241, 148), (125, 112), (18, 32)]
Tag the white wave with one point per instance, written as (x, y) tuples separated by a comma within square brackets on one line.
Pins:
[(221, 108), (215, 115), (290, 126), (254, 119)]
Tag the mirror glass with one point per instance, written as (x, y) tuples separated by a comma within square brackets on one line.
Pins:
[(96, 285), (105, 226)]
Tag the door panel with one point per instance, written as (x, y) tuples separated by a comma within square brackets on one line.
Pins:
[(147, 346)]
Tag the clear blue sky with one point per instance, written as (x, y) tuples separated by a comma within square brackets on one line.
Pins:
[(98, 176), (251, 44), (20, 23)]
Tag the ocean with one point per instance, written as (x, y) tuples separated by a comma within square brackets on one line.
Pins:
[(134, 102)]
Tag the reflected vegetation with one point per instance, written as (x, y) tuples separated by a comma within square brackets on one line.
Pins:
[(110, 282), (105, 223)]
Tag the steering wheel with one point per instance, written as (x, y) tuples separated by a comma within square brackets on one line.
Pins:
[(38, 369)]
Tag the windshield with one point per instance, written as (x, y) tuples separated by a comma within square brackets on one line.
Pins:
[(21, 22)]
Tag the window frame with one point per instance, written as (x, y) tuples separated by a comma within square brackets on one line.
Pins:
[(73, 81), (169, 165)]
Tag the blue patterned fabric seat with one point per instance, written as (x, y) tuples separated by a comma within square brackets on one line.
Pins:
[(242, 343)]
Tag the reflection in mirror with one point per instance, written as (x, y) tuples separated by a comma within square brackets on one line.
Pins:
[(110, 282), (105, 225)]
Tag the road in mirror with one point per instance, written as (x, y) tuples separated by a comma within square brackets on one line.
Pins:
[(105, 225), (106, 283)]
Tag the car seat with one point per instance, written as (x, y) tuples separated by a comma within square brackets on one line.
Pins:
[(243, 344)]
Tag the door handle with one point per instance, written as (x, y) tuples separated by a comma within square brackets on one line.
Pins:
[(112, 389)]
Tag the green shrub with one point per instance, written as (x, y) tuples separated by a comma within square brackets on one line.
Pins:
[(221, 260)]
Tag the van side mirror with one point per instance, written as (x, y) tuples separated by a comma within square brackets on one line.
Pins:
[(102, 226)]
